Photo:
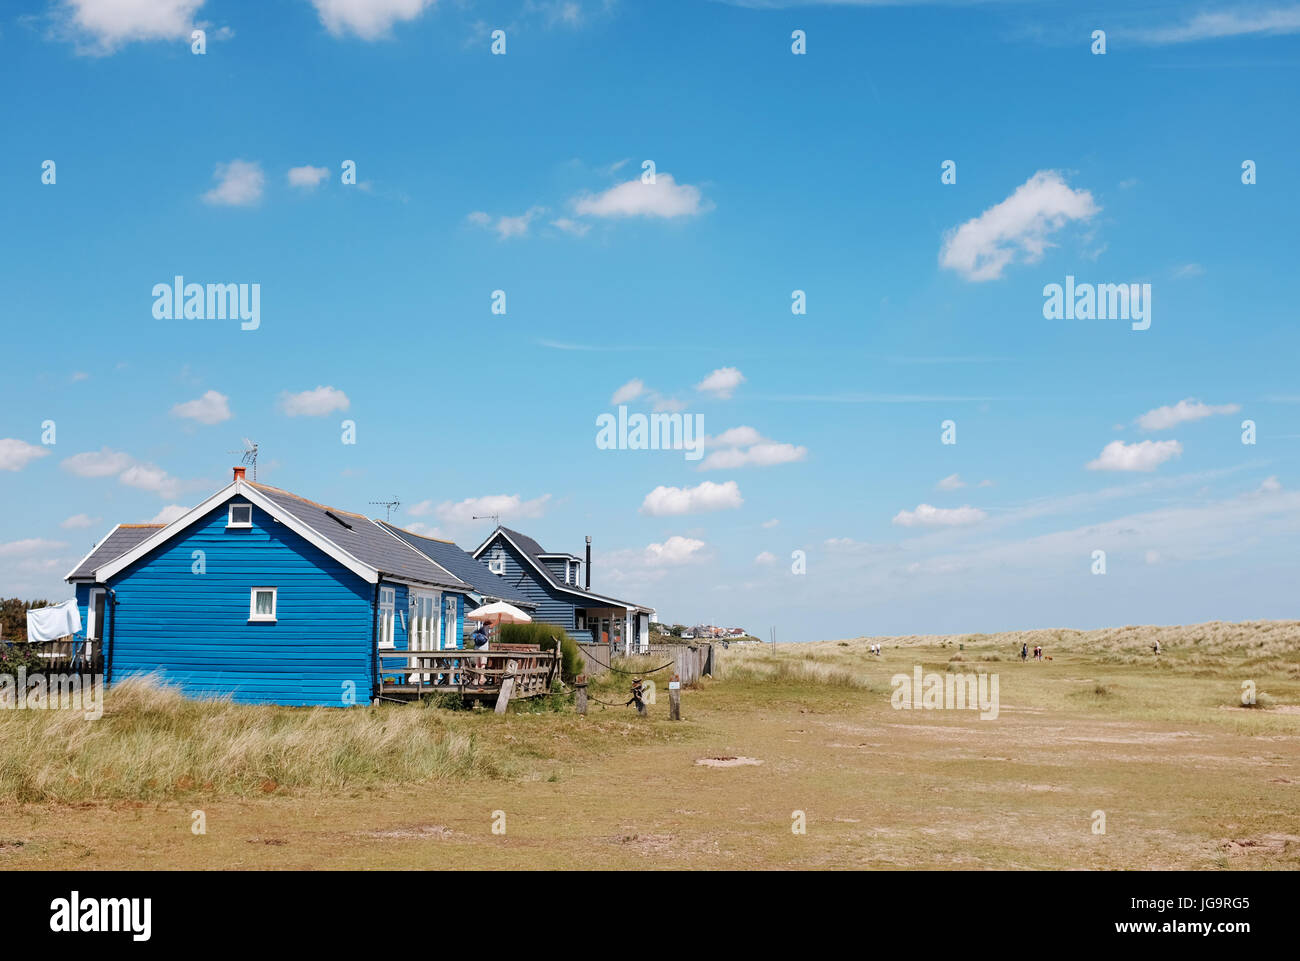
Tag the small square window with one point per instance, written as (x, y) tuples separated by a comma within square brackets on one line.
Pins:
[(497, 565), (241, 515), (262, 604)]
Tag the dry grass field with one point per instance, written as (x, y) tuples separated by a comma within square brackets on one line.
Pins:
[(1185, 775)]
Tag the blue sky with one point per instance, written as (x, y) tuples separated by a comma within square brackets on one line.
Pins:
[(774, 172)]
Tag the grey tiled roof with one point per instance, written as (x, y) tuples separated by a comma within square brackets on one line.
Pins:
[(366, 540), (120, 539), (462, 564)]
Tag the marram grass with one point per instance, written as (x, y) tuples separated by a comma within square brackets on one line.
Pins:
[(152, 742)]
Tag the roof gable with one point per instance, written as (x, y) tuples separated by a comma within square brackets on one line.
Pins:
[(355, 541), (533, 553)]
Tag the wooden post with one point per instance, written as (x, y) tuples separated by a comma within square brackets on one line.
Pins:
[(675, 699), (580, 686), (507, 686)]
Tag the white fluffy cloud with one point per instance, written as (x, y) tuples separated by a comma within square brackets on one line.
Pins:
[(16, 454), (30, 545), (758, 451), (927, 516), (664, 198), (675, 550), (211, 408), (735, 437), (1270, 485), (630, 391), (951, 483), (1162, 418), (1144, 455), (108, 463), (980, 248), (708, 496), (722, 382), (314, 403), (77, 521), (101, 463), (765, 454), (461, 513), (575, 227), (506, 227), (765, 557), (239, 184), (169, 514), (152, 478), (367, 19), (427, 530), (307, 177), (106, 25)]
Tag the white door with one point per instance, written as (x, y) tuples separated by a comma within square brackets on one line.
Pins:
[(450, 636)]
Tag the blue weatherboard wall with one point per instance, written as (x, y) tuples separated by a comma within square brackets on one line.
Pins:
[(195, 627)]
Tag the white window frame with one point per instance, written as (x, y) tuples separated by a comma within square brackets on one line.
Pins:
[(93, 627), (497, 564), (256, 618), (387, 618), (230, 515), (567, 566)]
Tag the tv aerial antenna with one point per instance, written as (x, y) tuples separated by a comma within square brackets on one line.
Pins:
[(249, 455), (388, 506), (494, 518)]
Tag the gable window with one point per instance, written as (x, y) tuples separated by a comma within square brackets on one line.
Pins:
[(497, 564), (240, 515), (387, 609), (262, 604)]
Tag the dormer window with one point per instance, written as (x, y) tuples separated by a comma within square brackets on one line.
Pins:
[(241, 515)]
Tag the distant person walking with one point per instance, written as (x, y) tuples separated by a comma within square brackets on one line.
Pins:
[(1024, 652), (1156, 647)]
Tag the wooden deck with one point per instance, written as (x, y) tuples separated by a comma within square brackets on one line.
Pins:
[(526, 670)]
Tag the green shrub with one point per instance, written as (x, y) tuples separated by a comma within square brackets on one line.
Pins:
[(15, 656), (544, 636)]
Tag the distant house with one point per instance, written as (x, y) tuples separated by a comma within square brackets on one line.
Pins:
[(487, 587), (266, 596), (559, 584)]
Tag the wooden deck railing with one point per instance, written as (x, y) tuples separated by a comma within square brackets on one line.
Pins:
[(467, 672)]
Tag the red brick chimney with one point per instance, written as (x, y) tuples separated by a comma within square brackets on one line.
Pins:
[(239, 473)]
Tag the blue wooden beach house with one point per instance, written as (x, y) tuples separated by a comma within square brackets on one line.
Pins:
[(266, 596)]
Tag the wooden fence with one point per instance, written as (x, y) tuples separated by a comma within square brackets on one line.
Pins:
[(595, 657), (690, 661)]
